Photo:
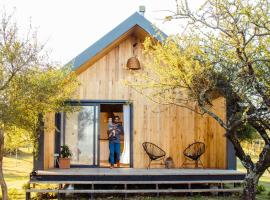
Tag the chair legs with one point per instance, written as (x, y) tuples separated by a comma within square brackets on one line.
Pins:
[(201, 162), (150, 160), (197, 163), (149, 163), (183, 163)]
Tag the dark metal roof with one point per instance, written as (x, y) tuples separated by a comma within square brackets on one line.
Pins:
[(94, 49)]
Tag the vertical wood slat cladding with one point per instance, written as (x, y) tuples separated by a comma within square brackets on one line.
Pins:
[(172, 128), (49, 140)]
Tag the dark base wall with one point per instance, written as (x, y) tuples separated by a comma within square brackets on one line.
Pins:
[(231, 158), (57, 144), (38, 160)]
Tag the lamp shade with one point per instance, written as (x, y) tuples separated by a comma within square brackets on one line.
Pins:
[(133, 63)]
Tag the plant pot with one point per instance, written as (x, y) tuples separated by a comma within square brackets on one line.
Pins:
[(64, 163)]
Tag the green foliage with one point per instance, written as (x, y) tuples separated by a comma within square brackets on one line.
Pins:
[(225, 54), (42, 91), (260, 189), (15, 194), (16, 138), (30, 84), (171, 72), (41, 196), (247, 133), (65, 152), (25, 186)]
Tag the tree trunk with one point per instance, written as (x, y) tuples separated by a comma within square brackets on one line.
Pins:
[(251, 179), (250, 183), (2, 180)]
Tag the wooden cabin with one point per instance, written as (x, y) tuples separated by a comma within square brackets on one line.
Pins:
[(101, 69)]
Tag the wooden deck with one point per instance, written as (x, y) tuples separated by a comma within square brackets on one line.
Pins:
[(130, 174), (132, 171), (104, 180)]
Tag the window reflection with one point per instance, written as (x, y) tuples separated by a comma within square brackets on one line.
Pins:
[(79, 135)]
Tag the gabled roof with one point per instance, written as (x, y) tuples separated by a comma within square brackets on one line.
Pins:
[(134, 20)]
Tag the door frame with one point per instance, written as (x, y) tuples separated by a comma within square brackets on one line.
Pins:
[(96, 103)]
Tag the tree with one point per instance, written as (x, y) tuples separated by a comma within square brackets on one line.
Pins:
[(223, 52), (16, 138), (30, 86)]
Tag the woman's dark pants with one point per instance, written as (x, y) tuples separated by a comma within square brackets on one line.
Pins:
[(114, 150)]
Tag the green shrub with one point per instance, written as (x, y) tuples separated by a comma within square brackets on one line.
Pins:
[(260, 189), (25, 186), (14, 193), (65, 151), (247, 133)]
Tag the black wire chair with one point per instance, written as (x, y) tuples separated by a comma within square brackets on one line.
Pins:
[(194, 152), (154, 152)]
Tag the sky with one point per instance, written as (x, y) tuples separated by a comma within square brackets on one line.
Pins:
[(70, 26)]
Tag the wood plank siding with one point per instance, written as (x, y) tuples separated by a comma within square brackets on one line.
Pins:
[(170, 127), (49, 140)]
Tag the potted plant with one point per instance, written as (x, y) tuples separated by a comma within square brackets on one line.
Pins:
[(64, 160)]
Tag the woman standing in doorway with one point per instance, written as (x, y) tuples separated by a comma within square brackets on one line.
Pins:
[(115, 131)]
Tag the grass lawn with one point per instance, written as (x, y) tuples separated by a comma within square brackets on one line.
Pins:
[(17, 173)]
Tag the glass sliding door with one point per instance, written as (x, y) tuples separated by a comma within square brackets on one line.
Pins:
[(81, 135)]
